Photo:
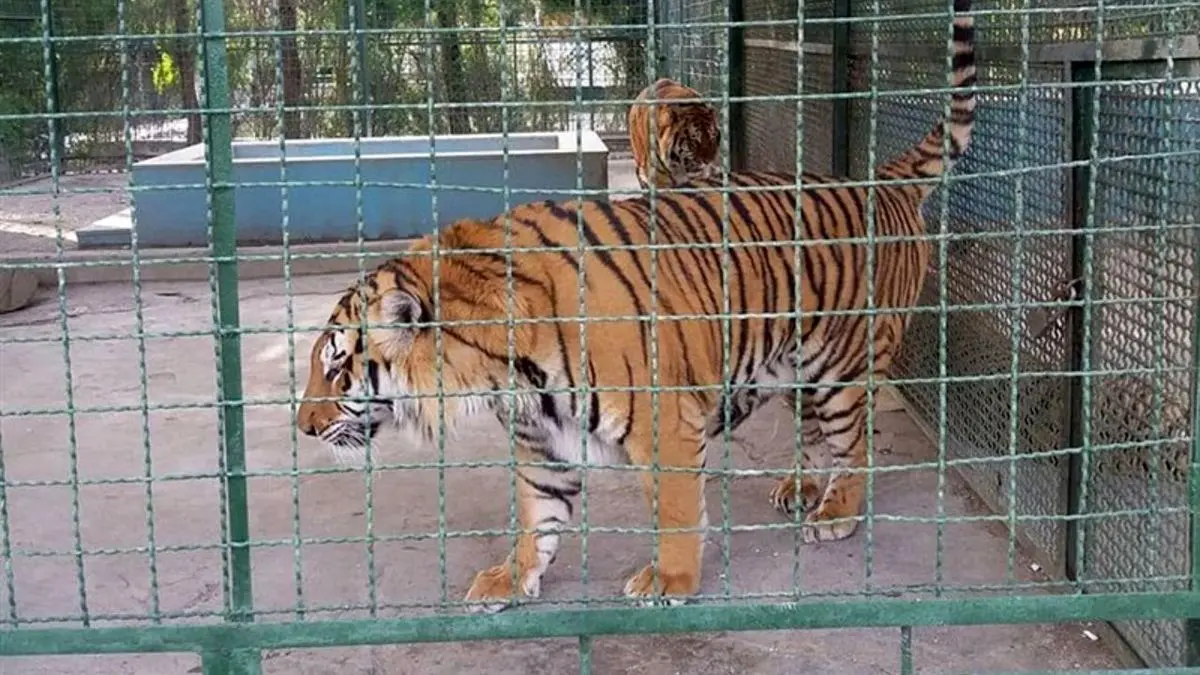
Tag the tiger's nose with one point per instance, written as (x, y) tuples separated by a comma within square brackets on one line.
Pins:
[(304, 420)]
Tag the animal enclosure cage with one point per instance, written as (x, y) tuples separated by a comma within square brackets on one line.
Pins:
[(1052, 362)]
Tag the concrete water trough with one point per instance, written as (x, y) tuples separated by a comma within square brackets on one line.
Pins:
[(321, 195)]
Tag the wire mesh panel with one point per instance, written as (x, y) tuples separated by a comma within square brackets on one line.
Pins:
[(1008, 419), (1010, 240), (1144, 266), (1122, 20), (696, 54), (778, 66), (19, 150), (915, 22), (771, 127)]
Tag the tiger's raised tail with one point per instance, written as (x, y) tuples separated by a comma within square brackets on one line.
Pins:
[(926, 159)]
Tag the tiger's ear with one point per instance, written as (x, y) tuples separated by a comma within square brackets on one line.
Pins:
[(398, 310), (398, 306)]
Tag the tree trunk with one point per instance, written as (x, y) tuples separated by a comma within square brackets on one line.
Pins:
[(185, 60), (292, 77), (453, 74), (341, 79)]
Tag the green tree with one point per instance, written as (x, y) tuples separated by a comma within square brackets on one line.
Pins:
[(183, 19), (293, 82)]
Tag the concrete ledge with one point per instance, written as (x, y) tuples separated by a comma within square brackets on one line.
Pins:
[(109, 232), (194, 264), (393, 200)]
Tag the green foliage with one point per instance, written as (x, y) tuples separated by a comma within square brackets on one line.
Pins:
[(20, 93), (15, 135), (599, 11), (399, 66), (395, 13), (165, 74)]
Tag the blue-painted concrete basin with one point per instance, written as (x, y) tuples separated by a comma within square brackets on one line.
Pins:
[(320, 213)]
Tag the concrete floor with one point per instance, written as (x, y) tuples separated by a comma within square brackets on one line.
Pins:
[(28, 217), (180, 370), (183, 442)]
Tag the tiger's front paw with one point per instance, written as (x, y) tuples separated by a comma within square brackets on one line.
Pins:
[(493, 589), (673, 589)]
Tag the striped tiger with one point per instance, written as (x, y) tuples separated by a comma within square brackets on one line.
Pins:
[(391, 374), (688, 137)]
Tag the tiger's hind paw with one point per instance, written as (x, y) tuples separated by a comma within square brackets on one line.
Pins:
[(820, 526), (783, 495)]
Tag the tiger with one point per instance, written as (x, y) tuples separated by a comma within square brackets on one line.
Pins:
[(646, 394), (688, 136)]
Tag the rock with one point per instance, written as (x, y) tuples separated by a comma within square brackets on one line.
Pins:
[(17, 288)]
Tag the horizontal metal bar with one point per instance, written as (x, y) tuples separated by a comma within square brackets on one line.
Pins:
[(791, 46), (1126, 671), (1182, 66), (613, 30), (526, 625), (1119, 671), (1147, 49)]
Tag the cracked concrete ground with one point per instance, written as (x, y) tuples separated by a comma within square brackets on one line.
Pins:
[(182, 441)]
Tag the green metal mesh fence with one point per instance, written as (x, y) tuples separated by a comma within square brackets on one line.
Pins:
[(775, 67), (981, 271), (1142, 253), (155, 495)]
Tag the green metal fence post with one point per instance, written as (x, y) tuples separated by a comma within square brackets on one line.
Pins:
[(360, 43), (219, 151), (57, 137), (840, 128), (1083, 98), (591, 65), (737, 86), (1192, 625), (906, 657), (1065, 494)]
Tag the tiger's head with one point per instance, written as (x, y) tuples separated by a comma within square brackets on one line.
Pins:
[(348, 394), (688, 140), (691, 152), (387, 375)]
